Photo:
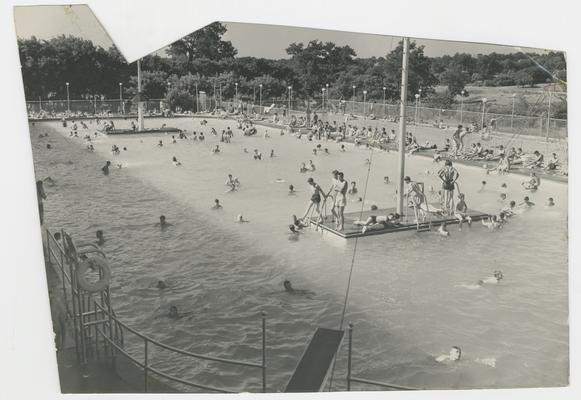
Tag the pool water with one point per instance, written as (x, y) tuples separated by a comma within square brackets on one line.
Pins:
[(412, 295)]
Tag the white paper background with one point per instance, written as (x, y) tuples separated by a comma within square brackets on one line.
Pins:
[(27, 357)]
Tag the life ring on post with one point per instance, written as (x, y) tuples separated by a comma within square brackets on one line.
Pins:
[(94, 263)]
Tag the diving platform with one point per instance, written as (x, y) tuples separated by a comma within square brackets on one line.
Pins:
[(313, 368), (407, 222)]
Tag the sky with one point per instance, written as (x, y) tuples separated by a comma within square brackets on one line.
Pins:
[(268, 41)]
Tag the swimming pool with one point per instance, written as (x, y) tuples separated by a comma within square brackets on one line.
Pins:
[(412, 295)]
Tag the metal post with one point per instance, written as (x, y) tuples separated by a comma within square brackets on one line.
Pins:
[(323, 99), (263, 352), (512, 115), (417, 101), (384, 106), (68, 99), (96, 328), (236, 94), (483, 111), (350, 351), (549, 117), (110, 327), (146, 366), (402, 123), (140, 102), (197, 99), (420, 106), (121, 97), (260, 98), (462, 107), (353, 110), (364, 110)]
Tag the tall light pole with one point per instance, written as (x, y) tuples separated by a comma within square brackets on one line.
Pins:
[(236, 93), (253, 95), (323, 98), (140, 121), (121, 98), (260, 97), (420, 104), (462, 106), (417, 100), (68, 98), (354, 99), (483, 111), (290, 88), (364, 96), (512, 115), (327, 91), (549, 116), (384, 105)]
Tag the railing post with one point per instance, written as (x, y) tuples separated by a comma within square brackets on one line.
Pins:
[(146, 365), (349, 356), (263, 352), (95, 318)]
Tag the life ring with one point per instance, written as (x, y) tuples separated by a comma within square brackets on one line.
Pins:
[(92, 262)]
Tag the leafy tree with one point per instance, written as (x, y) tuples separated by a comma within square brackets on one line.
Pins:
[(523, 78), (455, 79), (204, 43)]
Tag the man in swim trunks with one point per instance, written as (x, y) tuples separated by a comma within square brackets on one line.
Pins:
[(105, 169), (533, 183), (449, 175), (316, 196), (340, 190), (415, 197), (456, 139)]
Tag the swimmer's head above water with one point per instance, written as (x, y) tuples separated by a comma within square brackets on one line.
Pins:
[(287, 286), (173, 312), (455, 353)]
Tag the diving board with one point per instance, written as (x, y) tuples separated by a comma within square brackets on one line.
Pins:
[(351, 230), (312, 370)]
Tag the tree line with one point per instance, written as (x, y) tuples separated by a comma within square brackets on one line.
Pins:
[(206, 62)]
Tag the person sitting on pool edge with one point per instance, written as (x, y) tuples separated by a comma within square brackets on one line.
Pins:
[(462, 212)]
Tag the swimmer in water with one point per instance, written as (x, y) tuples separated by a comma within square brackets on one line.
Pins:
[(533, 183), (454, 355), (216, 149), (272, 153), (173, 312), (291, 190), (217, 205), (289, 289), (386, 180), (48, 146), (162, 285), (342, 149), (100, 238), (495, 278), (482, 187), (550, 202), (297, 223), (160, 144), (162, 222), (527, 203), (240, 220), (353, 188), (443, 231), (502, 198), (49, 181), (175, 162), (491, 222), (105, 169)]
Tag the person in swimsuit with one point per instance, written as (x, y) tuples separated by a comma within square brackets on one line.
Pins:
[(550, 202), (449, 175), (217, 205), (289, 289), (462, 212), (100, 238), (458, 145), (316, 196), (533, 183), (105, 169), (340, 202), (415, 197), (454, 355)]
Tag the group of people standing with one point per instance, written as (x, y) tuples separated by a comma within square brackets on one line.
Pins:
[(319, 199)]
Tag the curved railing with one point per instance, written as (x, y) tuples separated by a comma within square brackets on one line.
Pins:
[(93, 312), (147, 368)]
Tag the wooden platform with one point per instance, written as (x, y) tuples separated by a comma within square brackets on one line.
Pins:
[(407, 224), (312, 370), (137, 132)]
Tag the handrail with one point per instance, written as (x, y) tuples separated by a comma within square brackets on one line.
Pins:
[(180, 351)]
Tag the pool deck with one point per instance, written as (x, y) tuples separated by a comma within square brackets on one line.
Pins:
[(407, 223)]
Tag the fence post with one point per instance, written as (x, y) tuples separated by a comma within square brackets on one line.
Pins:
[(146, 366), (263, 352), (349, 356)]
